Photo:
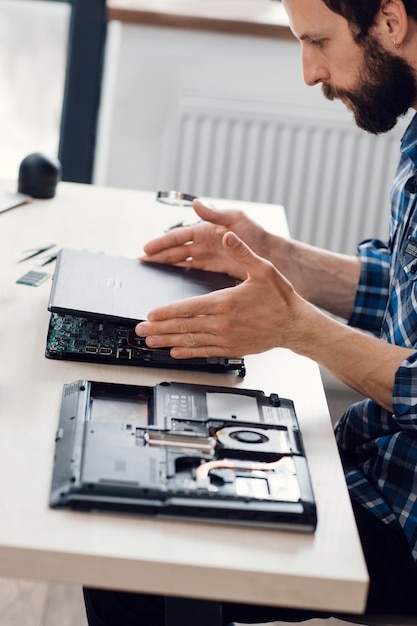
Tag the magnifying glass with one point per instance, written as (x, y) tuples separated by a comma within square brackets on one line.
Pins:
[(175, 198)]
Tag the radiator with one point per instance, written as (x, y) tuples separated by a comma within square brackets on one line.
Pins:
[(332, 178)]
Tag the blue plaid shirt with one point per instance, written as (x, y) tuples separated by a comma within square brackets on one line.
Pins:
[(379, 448)]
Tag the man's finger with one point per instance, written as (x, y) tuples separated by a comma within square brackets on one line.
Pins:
[(189, 308), (175, 240), (209, 214)]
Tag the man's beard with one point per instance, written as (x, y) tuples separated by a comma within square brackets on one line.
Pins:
[(386, 89)]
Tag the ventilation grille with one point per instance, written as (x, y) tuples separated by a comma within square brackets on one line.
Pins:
[(332, 178)]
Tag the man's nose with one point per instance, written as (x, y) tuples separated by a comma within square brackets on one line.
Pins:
[(314, 70)]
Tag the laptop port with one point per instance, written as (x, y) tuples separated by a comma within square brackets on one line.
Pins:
[(124, 353)]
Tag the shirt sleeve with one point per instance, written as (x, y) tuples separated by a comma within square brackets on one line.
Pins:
[(373, 286), (404, 397)]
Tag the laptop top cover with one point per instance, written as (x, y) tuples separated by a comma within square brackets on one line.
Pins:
[(93, 284)]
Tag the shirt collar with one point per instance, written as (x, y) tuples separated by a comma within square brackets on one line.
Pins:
[(409, 141)]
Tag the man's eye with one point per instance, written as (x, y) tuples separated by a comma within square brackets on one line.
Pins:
[(317, 42)]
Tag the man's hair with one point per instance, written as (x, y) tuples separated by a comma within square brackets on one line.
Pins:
[(361, 14)]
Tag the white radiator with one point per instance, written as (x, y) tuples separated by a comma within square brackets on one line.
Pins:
[(332, 178)]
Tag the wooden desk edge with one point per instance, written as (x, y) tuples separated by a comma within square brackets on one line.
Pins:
[(108, 572)]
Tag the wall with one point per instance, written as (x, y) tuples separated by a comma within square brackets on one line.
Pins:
[(173, 98), (150, 69)]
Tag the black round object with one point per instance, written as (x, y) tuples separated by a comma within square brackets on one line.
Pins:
[(39, 176), (249, 436)]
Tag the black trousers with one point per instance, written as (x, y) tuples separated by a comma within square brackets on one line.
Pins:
[(392, 573)]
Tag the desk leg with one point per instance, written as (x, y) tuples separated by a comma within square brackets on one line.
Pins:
[(187, 612)]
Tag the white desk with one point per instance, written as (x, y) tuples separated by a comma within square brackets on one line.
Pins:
[(324, 570)]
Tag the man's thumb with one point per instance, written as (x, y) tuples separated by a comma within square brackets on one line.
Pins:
[(237, 249)]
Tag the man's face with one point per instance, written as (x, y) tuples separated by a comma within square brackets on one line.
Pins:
[(376, 85), (385, 89)]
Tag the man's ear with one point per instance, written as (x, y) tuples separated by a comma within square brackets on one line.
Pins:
[(392, 21)]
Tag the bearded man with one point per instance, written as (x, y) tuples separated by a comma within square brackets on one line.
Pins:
[(363, 52)]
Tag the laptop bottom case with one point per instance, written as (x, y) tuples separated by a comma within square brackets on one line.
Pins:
[(182, 451)]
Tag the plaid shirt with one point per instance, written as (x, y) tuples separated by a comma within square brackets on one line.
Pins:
[(379, 448)]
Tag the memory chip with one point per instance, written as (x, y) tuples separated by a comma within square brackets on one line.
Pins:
[(33, 278)]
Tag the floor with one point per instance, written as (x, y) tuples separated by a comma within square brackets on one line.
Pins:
[(27, 603)]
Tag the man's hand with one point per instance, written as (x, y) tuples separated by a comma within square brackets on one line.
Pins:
[(200, 245), (255, 316), (326, 279), (265, 312)]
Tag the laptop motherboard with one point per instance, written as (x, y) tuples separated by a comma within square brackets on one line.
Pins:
[(103, 341)]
